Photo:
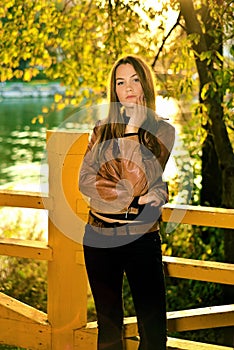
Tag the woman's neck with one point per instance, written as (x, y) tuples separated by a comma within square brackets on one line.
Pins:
[(131, 128)]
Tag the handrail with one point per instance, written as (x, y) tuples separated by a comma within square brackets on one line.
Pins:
[(184, 214), (22, 199)]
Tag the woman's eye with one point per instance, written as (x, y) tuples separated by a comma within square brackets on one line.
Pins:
[(136, 80), (119, 83)]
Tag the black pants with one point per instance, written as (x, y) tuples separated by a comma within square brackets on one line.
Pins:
[(141, 260)]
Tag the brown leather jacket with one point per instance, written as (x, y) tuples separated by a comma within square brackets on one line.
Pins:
[(112, 182)]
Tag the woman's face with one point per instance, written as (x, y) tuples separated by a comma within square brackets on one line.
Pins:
[(128, 85)]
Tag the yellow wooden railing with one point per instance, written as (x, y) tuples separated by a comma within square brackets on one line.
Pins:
[(64, 326)]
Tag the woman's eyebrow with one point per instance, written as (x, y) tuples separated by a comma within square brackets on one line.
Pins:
[(123, 78)]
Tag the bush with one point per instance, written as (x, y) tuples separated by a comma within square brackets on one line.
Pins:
[(23, 279)]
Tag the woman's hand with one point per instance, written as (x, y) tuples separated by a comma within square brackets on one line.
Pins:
[(156, 198), (137, 113)]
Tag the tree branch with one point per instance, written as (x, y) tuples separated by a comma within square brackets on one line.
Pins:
[(165, 39)]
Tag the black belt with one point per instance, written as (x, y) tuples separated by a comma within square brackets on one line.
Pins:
[(119, 229)]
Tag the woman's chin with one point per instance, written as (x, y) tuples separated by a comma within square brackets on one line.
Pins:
[(129, 104)]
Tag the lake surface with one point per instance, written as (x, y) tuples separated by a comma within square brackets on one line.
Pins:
[(21, 142)]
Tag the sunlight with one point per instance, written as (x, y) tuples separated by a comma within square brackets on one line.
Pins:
[(166, 107), (168, 19), (155, 4)]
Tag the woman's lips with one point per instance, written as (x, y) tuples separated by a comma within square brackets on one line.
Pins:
[(130, 96)]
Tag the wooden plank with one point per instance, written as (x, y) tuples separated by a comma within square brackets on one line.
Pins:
[(67, 289), (23, 199), (26, 335), (178, 344), (67, 142), (209, 271), (86, 338), (25, 249), (201, 318), (67, 280), (192, 319), (130, 327), (198, 215), (14, 309), (182, 344), (22, 325)]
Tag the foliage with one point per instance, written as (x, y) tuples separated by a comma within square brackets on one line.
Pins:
[(25, 281), (21, 278), (56, 38)]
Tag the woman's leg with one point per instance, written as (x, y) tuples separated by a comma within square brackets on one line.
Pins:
[(144, 271), (105, 273)]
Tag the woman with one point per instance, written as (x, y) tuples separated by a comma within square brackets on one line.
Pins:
[(122, 175)]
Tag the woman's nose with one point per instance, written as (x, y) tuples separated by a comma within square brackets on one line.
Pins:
[(128, 86)]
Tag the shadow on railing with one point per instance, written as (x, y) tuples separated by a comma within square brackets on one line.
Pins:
[(65, 324)]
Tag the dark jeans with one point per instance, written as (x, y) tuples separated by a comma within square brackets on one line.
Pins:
[(141, 261)]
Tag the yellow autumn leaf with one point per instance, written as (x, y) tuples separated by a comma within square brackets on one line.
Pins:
[(27, 75), (45, 110), (40, 119), (18, 73), (33, 121), (57, 98), (37, 7), (2, 12), (3, 77), (86, 93), (73, 101), (169, 251), (61, 106), (164, 247)]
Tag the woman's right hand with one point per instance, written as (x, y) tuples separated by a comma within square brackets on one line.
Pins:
[(137, 113)]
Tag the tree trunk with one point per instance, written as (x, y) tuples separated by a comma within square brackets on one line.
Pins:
[(222, 170), (211, 191)]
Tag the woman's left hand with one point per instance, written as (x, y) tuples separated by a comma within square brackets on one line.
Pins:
[(155, 198)]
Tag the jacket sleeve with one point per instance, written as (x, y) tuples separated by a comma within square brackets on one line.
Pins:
[(89, 172), (166, 138)]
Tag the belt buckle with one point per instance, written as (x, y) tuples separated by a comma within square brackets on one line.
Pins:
[(133, 210)]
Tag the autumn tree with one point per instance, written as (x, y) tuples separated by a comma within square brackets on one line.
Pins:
[(201, 33), (72, 41), (213, 29)]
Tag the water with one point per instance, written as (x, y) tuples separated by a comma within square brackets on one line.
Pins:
[(21, 142), (22, 147)]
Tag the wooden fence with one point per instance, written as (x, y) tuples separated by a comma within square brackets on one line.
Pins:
[(64, 326)]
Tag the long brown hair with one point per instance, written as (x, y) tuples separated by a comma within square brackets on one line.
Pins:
[(114, 126)]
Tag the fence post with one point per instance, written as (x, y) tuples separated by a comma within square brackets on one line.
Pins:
[(67, 282)]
